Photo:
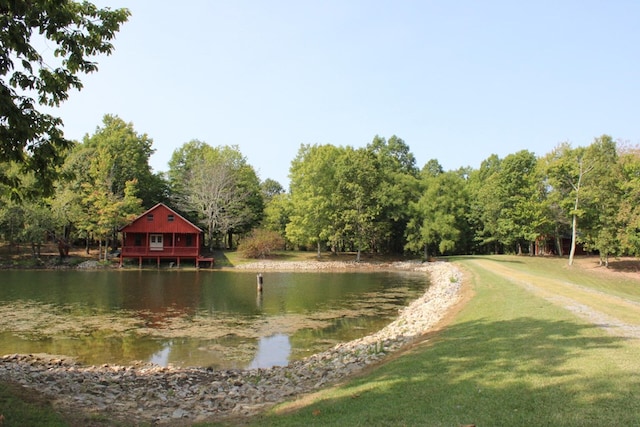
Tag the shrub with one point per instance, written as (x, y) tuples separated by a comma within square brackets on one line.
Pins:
[(260, 243)]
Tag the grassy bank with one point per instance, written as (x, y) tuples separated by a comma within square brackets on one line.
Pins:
[(510, 358), (19, 407), (235, 258)]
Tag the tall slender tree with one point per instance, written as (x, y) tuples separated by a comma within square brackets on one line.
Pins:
[(585, 177), (603, 197)]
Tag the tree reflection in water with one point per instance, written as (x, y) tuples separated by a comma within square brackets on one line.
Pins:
[(195, 318)]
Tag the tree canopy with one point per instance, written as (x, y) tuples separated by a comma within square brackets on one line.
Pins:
[(344, 199), (217, 188), (30, 81)]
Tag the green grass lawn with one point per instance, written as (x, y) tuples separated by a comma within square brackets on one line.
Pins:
[(19, 407), (235, 258), (508, 359)]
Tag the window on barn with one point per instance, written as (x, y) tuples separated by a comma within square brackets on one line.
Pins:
[(170, 218), (150, 217)]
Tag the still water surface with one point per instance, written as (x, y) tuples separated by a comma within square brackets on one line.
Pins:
[(195, 318)]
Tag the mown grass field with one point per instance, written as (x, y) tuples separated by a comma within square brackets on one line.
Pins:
[(508, 358), (529, 347)]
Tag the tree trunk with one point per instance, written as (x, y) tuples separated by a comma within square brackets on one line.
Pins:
[(209, 239), (63, 248), (318, 249), (574, 235), (574, 221), (559, 249)]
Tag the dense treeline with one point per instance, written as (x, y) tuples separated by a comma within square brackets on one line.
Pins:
[(372, 199), (369, 199)]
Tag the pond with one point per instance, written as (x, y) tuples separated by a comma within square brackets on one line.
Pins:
[(201, 318)]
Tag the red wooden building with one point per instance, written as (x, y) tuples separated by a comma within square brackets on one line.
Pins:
[(162, 234)]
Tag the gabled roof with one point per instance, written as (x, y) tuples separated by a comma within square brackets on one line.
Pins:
[(185, 221)]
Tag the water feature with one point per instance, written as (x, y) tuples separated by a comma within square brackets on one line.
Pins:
[(195, 318)]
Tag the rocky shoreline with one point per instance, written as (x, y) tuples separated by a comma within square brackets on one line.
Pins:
[(147, 393)]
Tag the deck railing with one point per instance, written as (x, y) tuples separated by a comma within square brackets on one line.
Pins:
[(167, 251)]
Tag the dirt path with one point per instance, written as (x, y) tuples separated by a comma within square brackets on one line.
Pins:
[(618, 316)]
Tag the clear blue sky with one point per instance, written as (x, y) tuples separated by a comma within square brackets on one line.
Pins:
[(456, 80)]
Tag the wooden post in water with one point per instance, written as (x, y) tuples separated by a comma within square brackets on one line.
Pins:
[(260, 281)]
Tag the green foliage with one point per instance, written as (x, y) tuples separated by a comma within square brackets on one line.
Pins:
[(628, 216), (276, 213), (397, 187), (118, 155), (485, 206), (602, 199), (77, 32), (439, 215), (270, 188), (260, 243), (217, 188), (352, 199), (519, 199), (356, 198), (106, 178), (182, 160), (585, 184), (509, 204), (313, 185), (341, 198)]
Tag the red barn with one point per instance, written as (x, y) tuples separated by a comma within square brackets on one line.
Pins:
[(162, 234)]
